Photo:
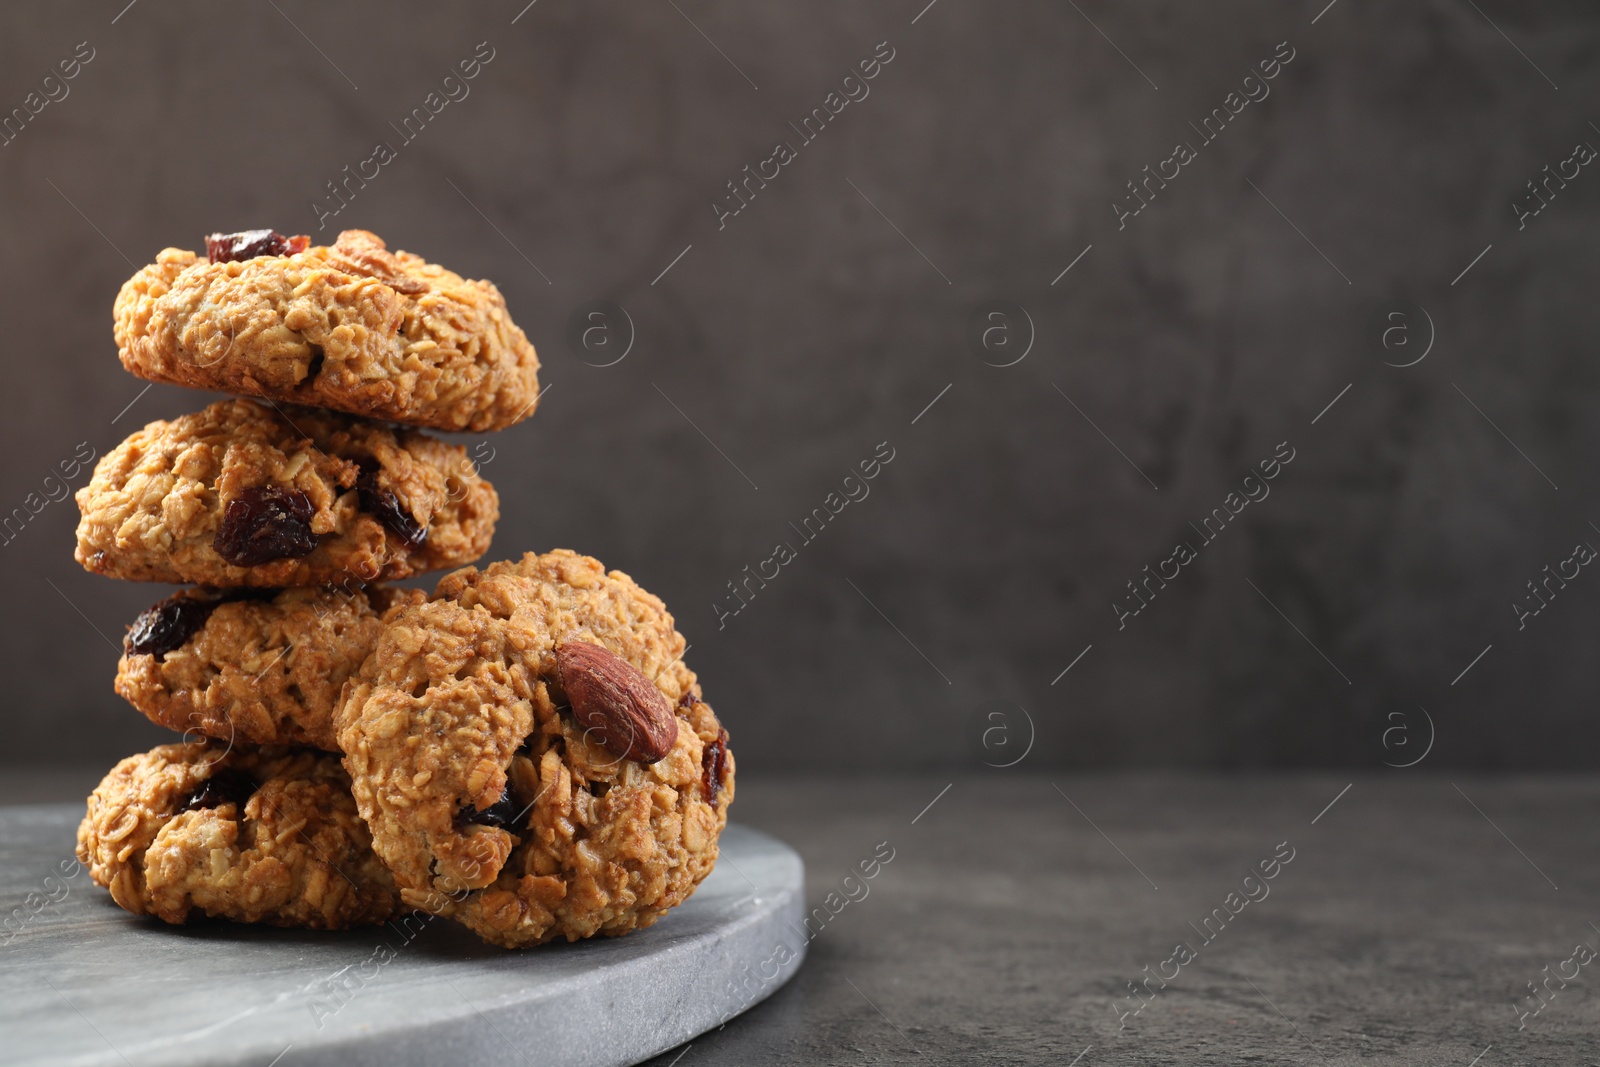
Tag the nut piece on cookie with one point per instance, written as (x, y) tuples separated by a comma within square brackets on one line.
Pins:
[(622, 708), (492, 798), (249, 494), (353, 326), (254, 835), (253, 667)]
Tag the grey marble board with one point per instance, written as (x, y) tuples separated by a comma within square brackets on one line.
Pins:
[(82, 982)]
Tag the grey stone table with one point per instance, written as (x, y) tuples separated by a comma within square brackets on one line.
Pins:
[(1014, 910)]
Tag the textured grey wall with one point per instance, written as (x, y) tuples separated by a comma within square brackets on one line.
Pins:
[(1252, 289)]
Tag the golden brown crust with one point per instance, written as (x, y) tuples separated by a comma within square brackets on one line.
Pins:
[(459, 708), (353, 327), (297, 854), (153, 509), (261, 671)]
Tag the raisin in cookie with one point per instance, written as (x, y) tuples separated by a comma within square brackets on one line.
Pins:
[(353, 327), (533, 756), (255, 835), (251, 494), (254, 667)]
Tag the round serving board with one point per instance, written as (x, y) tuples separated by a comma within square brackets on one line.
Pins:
[(83, 982)]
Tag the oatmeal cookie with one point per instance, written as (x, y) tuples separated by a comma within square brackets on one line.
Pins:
[(255, 835), (352, 326), (252, 667), (494, 796), (251, 494)]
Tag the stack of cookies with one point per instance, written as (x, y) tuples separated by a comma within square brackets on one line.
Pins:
[(523, 751)]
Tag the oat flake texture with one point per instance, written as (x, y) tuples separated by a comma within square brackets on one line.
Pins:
[(353, 327), (458, 713), (157, 502), (261, 670), (294, 853)]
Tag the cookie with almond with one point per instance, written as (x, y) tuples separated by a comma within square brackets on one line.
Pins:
[(534, 757)]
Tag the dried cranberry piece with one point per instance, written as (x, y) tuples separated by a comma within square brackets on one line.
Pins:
[(167, 626), (387, 509), (264, 523), (248, 244), (714, 767), (502, 812), (226, 786)]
